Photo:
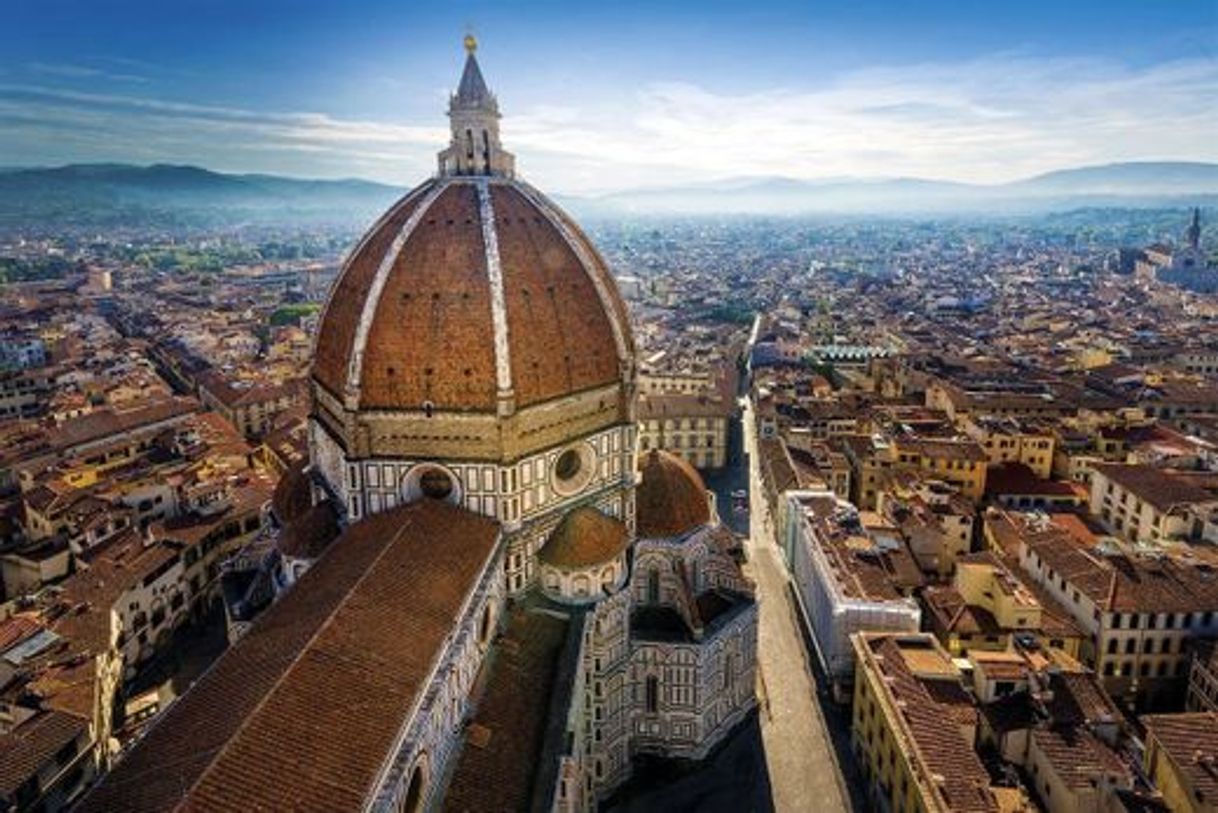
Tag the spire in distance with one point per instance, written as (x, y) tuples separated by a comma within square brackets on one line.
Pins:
[(1193, 235)]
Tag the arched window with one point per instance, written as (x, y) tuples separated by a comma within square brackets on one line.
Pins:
[(653, 695), (485, 626), (653, 586), (415, 796), (469, 144)]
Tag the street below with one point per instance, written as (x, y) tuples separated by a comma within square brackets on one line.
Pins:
[(802, 762)]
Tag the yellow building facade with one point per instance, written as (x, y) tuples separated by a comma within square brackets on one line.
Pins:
[(961, 463)]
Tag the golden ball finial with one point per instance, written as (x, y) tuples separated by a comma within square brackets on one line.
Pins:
[(471, 43)]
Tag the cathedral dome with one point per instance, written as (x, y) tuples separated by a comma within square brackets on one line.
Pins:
[(473, 295), (585, 538), (670, 498)]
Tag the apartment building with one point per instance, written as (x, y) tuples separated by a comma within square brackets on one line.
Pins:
[(1013, 440), (1181, 759), (1140, 613), (934, 518), (695, 427), (852, 573), (1148, 505), (958, 461), (914, 728)]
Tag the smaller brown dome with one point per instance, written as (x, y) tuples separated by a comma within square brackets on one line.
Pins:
[(308, 535), (292, 496), (584, 538), (671, 497)]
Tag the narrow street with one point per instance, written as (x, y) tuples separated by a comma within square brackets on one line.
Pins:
[(803, 767)]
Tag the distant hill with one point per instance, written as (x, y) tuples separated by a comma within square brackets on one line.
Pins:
[(171, 196), (1137, 178), (168, 195), (1146, 184)]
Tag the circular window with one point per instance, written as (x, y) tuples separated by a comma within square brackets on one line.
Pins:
[(433, 482), (436, 484), (568, 465), (573, 469)]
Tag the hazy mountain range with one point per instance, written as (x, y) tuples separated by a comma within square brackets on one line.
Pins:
[(167, 195), (1127, 185)]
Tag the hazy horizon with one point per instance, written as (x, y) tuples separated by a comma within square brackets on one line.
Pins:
[(593, 104)]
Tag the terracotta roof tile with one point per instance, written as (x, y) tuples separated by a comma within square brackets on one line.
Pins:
[(311, 533), (1164, 490), (1191, 742), (497, 768), (319, 687), (956, 772), (28, 747), (1079, 757)]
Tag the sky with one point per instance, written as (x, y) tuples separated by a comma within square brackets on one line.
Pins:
[(614, 95)]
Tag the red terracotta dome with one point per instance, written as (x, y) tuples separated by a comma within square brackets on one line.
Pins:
[(470, 291), (585, 538), (670, 499)]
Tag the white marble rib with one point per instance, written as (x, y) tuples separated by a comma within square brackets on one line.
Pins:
[(494, 273), (355, 370)]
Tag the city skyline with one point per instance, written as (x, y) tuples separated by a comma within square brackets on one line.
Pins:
[(594, 104), (531, 503)]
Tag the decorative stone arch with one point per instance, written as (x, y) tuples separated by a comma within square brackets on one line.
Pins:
[(413, 798), (431, 480)]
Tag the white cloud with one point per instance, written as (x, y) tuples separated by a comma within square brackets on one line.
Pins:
[(120, 127), (72, 71), (993, 119), (987, 120)]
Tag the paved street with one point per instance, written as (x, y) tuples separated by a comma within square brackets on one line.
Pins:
[(803, 767)]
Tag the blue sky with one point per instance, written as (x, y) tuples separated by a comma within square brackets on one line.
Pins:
[(612, 95)]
